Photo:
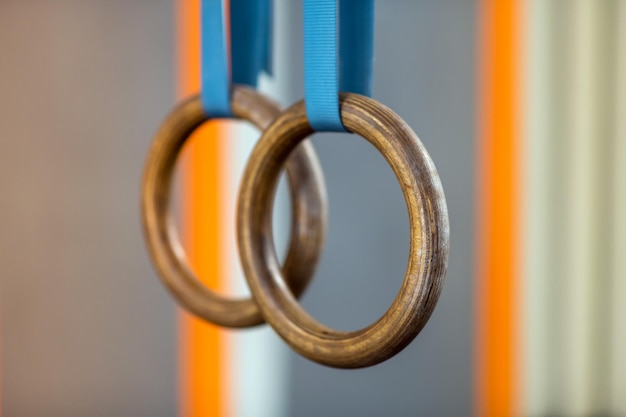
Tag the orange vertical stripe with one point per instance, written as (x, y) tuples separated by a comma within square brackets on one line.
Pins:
[(499, 203), (202, 346)]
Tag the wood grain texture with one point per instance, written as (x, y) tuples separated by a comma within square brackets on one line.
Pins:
[(428, 220), (308, 226)]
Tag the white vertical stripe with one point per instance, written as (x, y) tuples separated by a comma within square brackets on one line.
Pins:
[(258, 368), (258, 359), (587, 336), (538, 239), (618, 365)]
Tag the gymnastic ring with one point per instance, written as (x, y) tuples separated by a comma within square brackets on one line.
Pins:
[(308, 206), (428, 221)]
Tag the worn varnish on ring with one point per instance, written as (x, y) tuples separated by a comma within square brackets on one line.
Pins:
[(428, 220), (308, 199)]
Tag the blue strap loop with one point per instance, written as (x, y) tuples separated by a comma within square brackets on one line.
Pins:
[(250, 28), (251, 23), (337, 57)]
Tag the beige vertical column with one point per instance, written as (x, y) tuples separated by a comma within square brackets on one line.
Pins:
[(587, 336), (546, 162), (538, 229), (618, 288)]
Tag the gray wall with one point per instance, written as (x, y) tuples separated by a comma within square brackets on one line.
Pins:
[(88, 330), (425, 71)]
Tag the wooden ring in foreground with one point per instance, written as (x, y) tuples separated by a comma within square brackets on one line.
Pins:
[(308, 202), (428, 220)]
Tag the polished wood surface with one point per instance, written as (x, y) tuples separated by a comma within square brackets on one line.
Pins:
[(428, 220), (308, 199)]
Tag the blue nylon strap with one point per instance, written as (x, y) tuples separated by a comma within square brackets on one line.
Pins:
[(250, 27), (251, 23), (329, 69), (356, 48), (321, 78), (215, 78)]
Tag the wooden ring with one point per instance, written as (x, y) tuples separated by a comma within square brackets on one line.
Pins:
[(308, 202), (428, 220)]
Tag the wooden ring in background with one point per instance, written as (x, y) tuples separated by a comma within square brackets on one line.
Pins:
[(428, 221), (308, 197)]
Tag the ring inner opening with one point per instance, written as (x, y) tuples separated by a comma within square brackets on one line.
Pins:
[(205, 203), (367, 241)]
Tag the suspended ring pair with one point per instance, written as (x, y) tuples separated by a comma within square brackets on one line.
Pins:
[(275, 289)]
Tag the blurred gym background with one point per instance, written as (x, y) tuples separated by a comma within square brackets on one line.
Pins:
[(520, 103)]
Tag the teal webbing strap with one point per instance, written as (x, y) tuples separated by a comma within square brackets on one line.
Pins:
[(250, 27), (337, 57)]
